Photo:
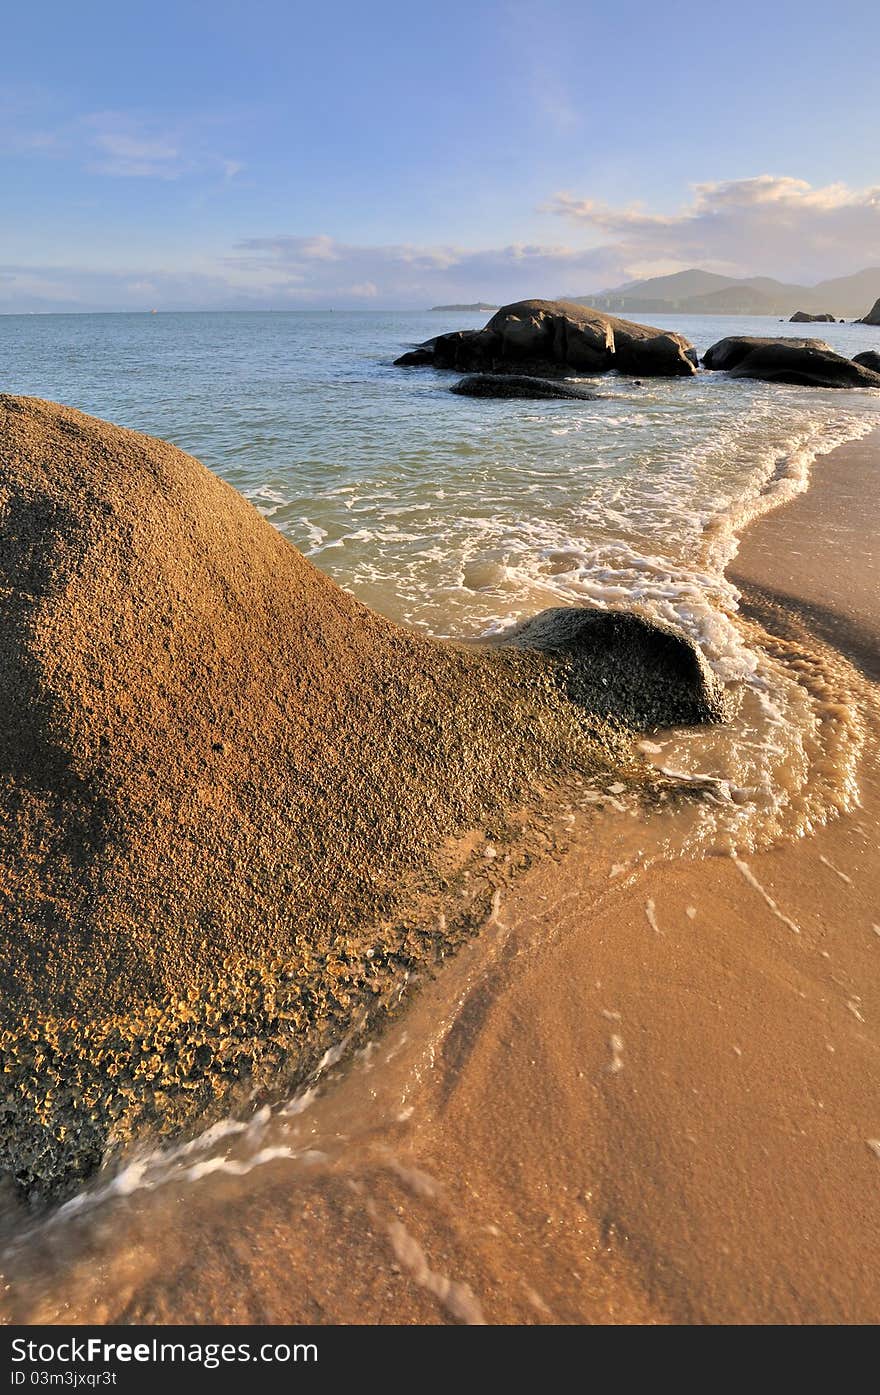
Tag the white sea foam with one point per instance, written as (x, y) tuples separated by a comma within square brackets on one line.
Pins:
[(620, 510)]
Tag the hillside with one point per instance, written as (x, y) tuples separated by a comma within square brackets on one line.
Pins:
[(697, 292)]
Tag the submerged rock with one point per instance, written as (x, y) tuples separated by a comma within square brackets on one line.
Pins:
[(798, 362), (516, 385), (553, 337), (229, 787)]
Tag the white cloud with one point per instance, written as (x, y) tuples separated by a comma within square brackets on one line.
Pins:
[(771, 225), (320, 269)]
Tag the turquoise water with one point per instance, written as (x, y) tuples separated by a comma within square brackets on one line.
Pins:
[(460, 516), (452, 514)]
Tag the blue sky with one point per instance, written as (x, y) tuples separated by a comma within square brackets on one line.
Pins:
[(217, 155)]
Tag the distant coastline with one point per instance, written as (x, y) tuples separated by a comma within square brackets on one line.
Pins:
[(478, 305), (698, 292)]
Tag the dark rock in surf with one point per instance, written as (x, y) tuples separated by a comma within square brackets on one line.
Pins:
[(872, 317), (869, 359), (517, 386), (728, 353), (802, 317), (420, 357), (796, 362), (620, 663), (549, 338)]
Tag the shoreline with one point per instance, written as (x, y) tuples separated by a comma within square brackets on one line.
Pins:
[(640, 1095), (794, 558)]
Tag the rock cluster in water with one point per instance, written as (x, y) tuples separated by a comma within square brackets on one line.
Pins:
[(229, 786), (802, 362), (536, 340), (541, 337)]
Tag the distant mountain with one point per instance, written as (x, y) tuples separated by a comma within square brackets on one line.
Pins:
[(697, 292), (479, 305)]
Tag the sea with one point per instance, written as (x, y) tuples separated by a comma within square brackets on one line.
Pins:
[(462, 516)]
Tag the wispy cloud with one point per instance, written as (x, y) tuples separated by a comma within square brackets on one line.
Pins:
[(117, 144), (131, 147), (128, 148), (25, 124)]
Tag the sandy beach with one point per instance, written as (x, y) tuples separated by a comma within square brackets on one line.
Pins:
[(646, 1092), (439, 683)]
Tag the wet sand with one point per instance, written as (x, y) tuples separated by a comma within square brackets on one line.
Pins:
[(645, 1093)]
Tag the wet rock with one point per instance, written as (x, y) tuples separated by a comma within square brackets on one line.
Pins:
[(420, 357), (625, 665), (728, 353), (869, 359), (797, 362), (516, 385)]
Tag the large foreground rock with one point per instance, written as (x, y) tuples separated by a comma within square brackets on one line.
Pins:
[(516, 385), (229, 789), (869, 359), (799, 362), (873, 315), (541, 337)]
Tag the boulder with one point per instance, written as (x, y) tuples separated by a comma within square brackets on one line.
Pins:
[(620, 662), (420, 357), (869, 359), (234, 797), (801, 317), (803, 366), (872, 317), (516, 385), (555, 337), (727, 353)]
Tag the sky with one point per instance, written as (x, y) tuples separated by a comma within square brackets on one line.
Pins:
[(385, 155)]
